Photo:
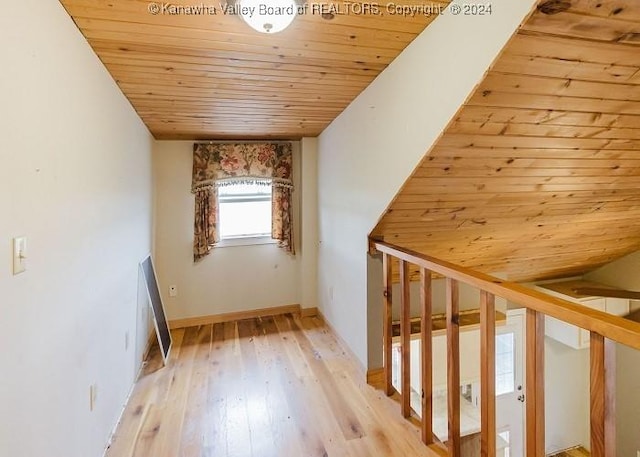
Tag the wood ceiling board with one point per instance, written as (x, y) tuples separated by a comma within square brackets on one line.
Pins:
[(571, 69), (529, 213), (213, 77), (554, 102), (140, 60), (564, 48), (538, 174), (481, 237), (208, 60), (514, 171), (189, 39), (524, 180), (608, 8), (228, 34), (548, 129), (558, 131), (162, 74), (545, 85), (583, 26), (568, 287), (463, 140), (268, 94), (573, 160), (136, 11), (546, 117)]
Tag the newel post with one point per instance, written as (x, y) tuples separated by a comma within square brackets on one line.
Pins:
[(453, 366), (603, 397), (487, 374), (426, 343), (387, 330), (535, 384), (405, 338)]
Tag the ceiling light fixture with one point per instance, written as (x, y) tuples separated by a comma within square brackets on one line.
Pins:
[(268, 16)]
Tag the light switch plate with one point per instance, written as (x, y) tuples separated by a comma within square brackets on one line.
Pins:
[(19, 255)]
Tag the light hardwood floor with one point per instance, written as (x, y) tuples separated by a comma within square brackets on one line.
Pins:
[(267, 387), (576, 452)]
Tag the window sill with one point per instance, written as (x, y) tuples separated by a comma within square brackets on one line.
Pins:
[(245, 241)]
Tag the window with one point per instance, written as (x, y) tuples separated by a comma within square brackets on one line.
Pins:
[(505, 363), (504, 442), (244, 211)]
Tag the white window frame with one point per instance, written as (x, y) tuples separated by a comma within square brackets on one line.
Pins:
[(243, 240)]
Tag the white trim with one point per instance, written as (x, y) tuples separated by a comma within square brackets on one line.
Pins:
[(112, 433), (244, 241)]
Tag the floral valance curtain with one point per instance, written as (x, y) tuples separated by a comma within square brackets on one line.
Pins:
[(218, 164)]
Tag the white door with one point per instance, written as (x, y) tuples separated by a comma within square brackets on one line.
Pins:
[(509, 385)]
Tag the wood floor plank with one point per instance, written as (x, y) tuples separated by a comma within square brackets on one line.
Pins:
[(255, 392), (349, 424), (214, 418), (238, 431), (149, 433), (192, 436), (325, 342), (575, 452), (311, 443), (175, 403), (284, 431), (267, 387)]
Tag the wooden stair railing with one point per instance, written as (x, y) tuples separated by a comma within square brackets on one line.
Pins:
[(487, 374), (426, 337), (605, 329)]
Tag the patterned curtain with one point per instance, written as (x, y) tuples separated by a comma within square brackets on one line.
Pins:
[(218, 164)]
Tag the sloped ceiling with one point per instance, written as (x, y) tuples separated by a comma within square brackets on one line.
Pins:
[(206, 76), (538, 175)]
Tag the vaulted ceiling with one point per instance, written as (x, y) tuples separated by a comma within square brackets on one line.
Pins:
[(538, 174), (213, 77)]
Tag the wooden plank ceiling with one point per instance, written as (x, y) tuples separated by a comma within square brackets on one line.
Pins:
[(538, 174), (213, 77)]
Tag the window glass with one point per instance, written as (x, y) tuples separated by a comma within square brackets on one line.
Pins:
[(245, 210), (505, 363)]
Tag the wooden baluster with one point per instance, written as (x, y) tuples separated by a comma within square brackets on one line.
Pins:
[(453, 366), (602, 396), (405, 337), (535, 384), (610, 398), (387, 331), (487, 374), (427, 354)]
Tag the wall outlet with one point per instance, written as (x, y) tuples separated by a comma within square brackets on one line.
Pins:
[(173, 291), (93, 396)]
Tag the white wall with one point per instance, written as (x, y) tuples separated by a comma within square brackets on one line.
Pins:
[(308, 241), (469, 298), (75, 176), (469, 360), (566, 390), (566, 379), (230, 279), (371, 148), (625, 273)]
